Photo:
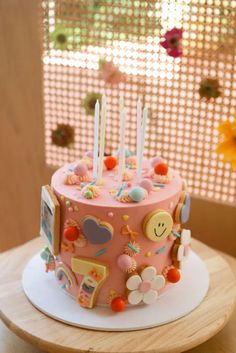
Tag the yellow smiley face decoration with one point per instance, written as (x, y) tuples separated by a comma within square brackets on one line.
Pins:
[(157, 225)]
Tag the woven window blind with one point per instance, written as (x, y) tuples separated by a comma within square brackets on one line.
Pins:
[(182, 126)]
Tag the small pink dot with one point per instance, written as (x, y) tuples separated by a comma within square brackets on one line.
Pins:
[(144, 286), (110, 214), (70, 209)]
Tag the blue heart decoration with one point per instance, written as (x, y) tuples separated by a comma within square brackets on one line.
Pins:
[(185, 210), (97, 232)]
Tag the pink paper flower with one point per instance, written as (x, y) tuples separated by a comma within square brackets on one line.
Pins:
[(110, 73), (172, 42)]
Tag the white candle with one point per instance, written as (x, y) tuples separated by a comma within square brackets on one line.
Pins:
[(95, 141), (121, 105), (121, 166), (102, 139), (138, 133), (143, 131)]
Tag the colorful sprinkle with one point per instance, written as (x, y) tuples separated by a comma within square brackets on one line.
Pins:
[(112, 292), (62, 198), (148, 254), (121, 189), (76, 208), (176, 234), (133, 248), (161, 250), (159, 185), (68, 203), (112, 191), (102, 182), (101, 252), (110, 214), (70, 209), (125, 217)]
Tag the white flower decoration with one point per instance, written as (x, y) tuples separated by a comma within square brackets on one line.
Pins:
[(144, 287), (183, 247)]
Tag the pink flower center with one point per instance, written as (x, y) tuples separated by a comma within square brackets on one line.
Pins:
[(144, 287)]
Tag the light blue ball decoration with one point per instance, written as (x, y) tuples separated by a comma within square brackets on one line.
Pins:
[(128, 153), (137, 194)]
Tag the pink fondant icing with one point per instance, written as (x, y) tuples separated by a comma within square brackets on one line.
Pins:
[(102, 208)]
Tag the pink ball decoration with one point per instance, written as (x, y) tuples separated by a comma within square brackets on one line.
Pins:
[(155, 161), (89, 154), (125, 262), (110, 214), (81, 169), (146, 184)]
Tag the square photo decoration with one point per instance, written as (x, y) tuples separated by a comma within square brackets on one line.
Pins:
[(50, 219)]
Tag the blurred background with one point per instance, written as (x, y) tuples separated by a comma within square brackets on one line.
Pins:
[(59, 56)]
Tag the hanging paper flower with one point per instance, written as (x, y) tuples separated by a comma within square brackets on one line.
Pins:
[(90, 101), (144, 287), (209, 89), (63, 135), (60, 37), (172, 42), (227, 146), (110, 73), (96, 4)]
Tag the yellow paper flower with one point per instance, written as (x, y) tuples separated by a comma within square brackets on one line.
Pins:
[(227, 146)]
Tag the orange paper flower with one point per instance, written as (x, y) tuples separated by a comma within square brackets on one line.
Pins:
[(227, 146)]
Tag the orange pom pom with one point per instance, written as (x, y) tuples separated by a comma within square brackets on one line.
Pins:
[(173, 275), (110, 162), (117, 304), (161, 169), (71, 233)]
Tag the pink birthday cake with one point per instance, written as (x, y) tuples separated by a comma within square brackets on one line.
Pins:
[(111, 244)]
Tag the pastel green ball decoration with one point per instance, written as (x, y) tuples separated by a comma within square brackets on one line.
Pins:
[(88, 194), (137, 194)]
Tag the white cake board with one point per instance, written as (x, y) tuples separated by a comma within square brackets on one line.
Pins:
[(44, 292)]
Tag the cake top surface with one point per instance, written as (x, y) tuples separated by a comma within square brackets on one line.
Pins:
[(75, 182)]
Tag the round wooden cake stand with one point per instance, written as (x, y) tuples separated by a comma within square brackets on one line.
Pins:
[(53, 336)]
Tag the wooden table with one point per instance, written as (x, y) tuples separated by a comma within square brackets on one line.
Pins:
[(223, 342)]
